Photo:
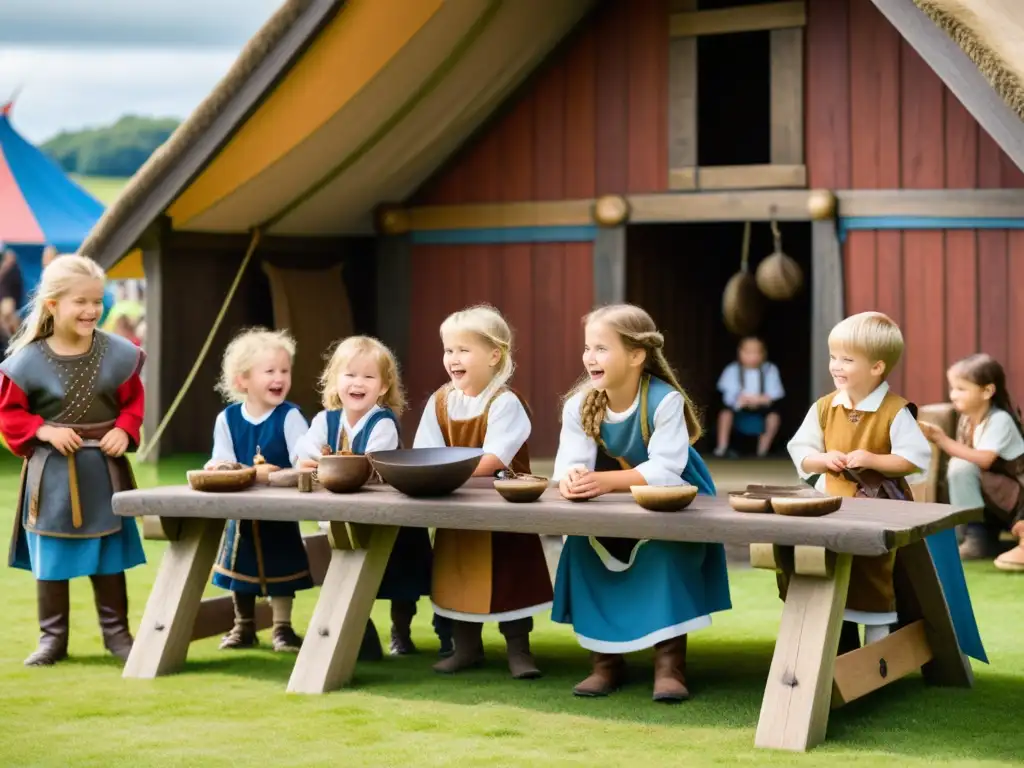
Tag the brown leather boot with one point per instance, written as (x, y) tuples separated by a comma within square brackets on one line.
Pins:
[(469, 648), (670, 671), (608, 675), (402, 612), (53, 605), (243, 634), (111, 595), (517, 641)]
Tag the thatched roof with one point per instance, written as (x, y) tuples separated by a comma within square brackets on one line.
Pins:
[(145, 181), (991, 33)]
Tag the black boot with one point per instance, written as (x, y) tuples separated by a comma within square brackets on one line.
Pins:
[(443, 630), (981, 542), (243, 634), (111, 593), (402, 612), (53, 604), (370, 649)]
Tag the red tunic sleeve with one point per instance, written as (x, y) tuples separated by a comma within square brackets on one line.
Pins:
[(17, 423), (132, 398)]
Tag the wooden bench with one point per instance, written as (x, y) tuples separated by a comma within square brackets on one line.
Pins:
[(363, 526)]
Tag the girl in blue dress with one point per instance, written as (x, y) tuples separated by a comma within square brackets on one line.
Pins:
[(265, 558), (628, 422)]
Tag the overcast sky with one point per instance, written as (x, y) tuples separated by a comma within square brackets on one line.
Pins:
[(87, 62)]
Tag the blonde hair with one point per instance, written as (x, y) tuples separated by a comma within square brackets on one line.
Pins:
[(637, 330), (348, 350), (872, 334), (57, 279), (243, 352), (485, 321)]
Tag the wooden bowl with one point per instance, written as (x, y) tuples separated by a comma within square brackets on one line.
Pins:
[(522, 489), (664, 498), (343, 474), (221, 480), (747, 502), (426, 471), (795, 506)]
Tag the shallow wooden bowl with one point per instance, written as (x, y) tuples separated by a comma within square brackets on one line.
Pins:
[(343, 474), (522, 489), (664, 498), (221, 480), (746, 502), (795, 506), (426, 471)]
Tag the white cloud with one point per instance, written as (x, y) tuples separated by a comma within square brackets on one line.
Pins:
[(88, 62)]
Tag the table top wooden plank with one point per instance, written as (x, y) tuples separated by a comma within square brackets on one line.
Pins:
[(860, 527)]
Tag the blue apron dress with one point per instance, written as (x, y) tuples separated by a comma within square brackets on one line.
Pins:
[(623, 595), (265, 557)]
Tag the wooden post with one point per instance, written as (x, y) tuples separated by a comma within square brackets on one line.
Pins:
[(610, 265), (797, 698), (331, 645), (394, 293), (152, 268), (787, 96), (826, 299), (682, 99), (161, 644)]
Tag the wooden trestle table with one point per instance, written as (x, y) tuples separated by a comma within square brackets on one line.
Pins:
[(805, 680)]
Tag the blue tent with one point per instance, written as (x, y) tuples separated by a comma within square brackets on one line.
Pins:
[(39, 205)]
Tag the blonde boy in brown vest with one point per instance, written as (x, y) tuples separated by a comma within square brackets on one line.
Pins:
[(860, 427)]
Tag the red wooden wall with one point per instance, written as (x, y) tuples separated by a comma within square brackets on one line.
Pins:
[(879, 118), (561, 137)]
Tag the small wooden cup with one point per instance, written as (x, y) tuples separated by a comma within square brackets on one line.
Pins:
[(664, 498)]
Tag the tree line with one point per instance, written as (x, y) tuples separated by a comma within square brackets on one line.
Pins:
[(112, 150)]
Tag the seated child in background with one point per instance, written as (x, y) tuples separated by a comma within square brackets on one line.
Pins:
[(750, 387), (987, 457), (362, 399), (864, 427), (265, 557)]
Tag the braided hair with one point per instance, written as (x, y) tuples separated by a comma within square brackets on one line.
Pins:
[(637, 330)]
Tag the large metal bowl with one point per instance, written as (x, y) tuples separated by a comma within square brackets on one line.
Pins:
[(426, 471)]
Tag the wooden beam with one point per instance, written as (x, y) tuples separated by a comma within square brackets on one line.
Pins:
[(769, 176), (610, 266), (152, 267), (959, 73), (782, 204), (787, 98), (936, 203), (878, 664), (682, 98), (826, 299), (394, 294), (743, 18), (555, 213)]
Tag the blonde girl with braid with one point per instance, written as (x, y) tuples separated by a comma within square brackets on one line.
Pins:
[(479, 576), (629, 422)]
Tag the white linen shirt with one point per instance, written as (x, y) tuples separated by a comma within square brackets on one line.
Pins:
[(508, 424), (667, 450), (384, 436), (999, 434), (224, 450), (908, 441), (732, 384)]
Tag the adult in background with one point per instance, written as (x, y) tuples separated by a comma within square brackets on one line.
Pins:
[(12, 290)]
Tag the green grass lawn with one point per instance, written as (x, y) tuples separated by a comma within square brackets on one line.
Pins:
[(230, 708), (103, 188)]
